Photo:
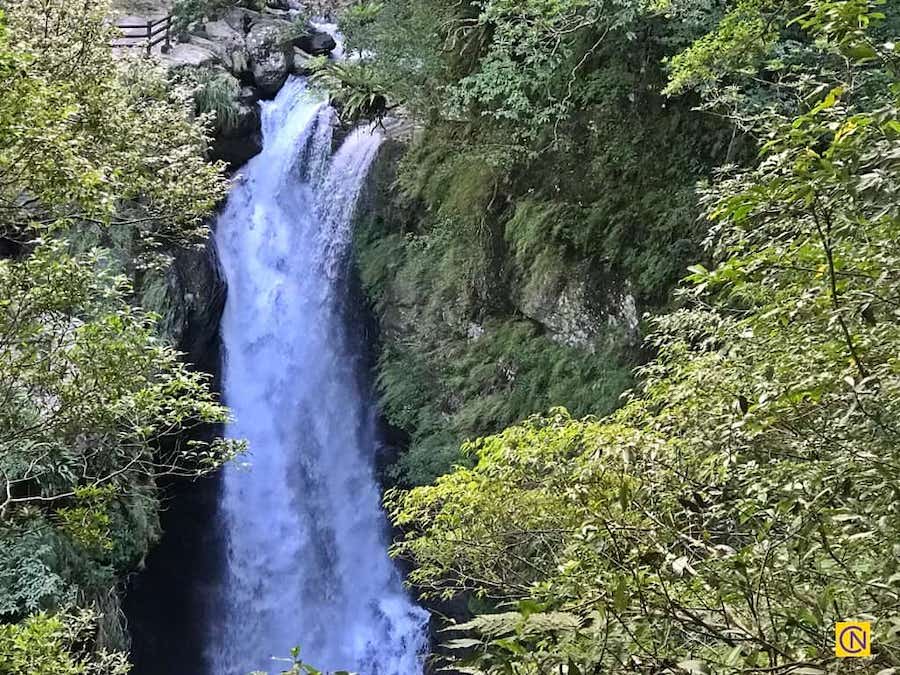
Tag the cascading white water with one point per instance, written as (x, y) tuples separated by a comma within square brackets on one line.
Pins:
[(307, 562)]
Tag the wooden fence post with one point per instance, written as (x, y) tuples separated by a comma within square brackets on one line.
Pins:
[(154, 32)]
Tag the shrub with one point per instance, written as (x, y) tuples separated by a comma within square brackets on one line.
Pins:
[(216, 94)]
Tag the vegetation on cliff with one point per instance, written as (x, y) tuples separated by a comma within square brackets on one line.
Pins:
[(554, 183), (95, 405), (743, 499)]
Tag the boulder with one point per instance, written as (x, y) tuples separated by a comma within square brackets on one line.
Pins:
[(248, 96), (189, 297), (248, 121), (243, 140), (302, 62), (270, 70), (316, 43), (241, 19), (231, 57), (324, 8), (186, 54), (235, 151), (221, 32), (578, 305), (271, 59), (229, 45), (255, 47)]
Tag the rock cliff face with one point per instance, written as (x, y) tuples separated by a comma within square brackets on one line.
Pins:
[(256, 52), (472, 342), (236, 144), (576, 303), (194, 297)]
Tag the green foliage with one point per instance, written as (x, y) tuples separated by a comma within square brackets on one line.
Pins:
[(96, 408), (186, 14), (744, 35), (30, 573), (60, 644), (401, 40), (763, 56), (216, 93), (102, 136), (87, 522), (361, 16), (744, 499), (354, 89), (298, 667), (459, 387), (527, 75), (525, 69)]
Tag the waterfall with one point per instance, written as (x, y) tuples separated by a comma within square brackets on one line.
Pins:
[(307, 544)]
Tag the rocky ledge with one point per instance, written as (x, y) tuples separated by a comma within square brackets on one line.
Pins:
[(251, 53)]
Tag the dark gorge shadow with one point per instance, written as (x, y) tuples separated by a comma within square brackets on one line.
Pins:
[(169, 603)]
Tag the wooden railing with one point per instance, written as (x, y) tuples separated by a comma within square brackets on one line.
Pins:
[(152, 33)]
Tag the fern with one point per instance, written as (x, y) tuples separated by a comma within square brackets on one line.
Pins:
[(353, 88), (216, 94)]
